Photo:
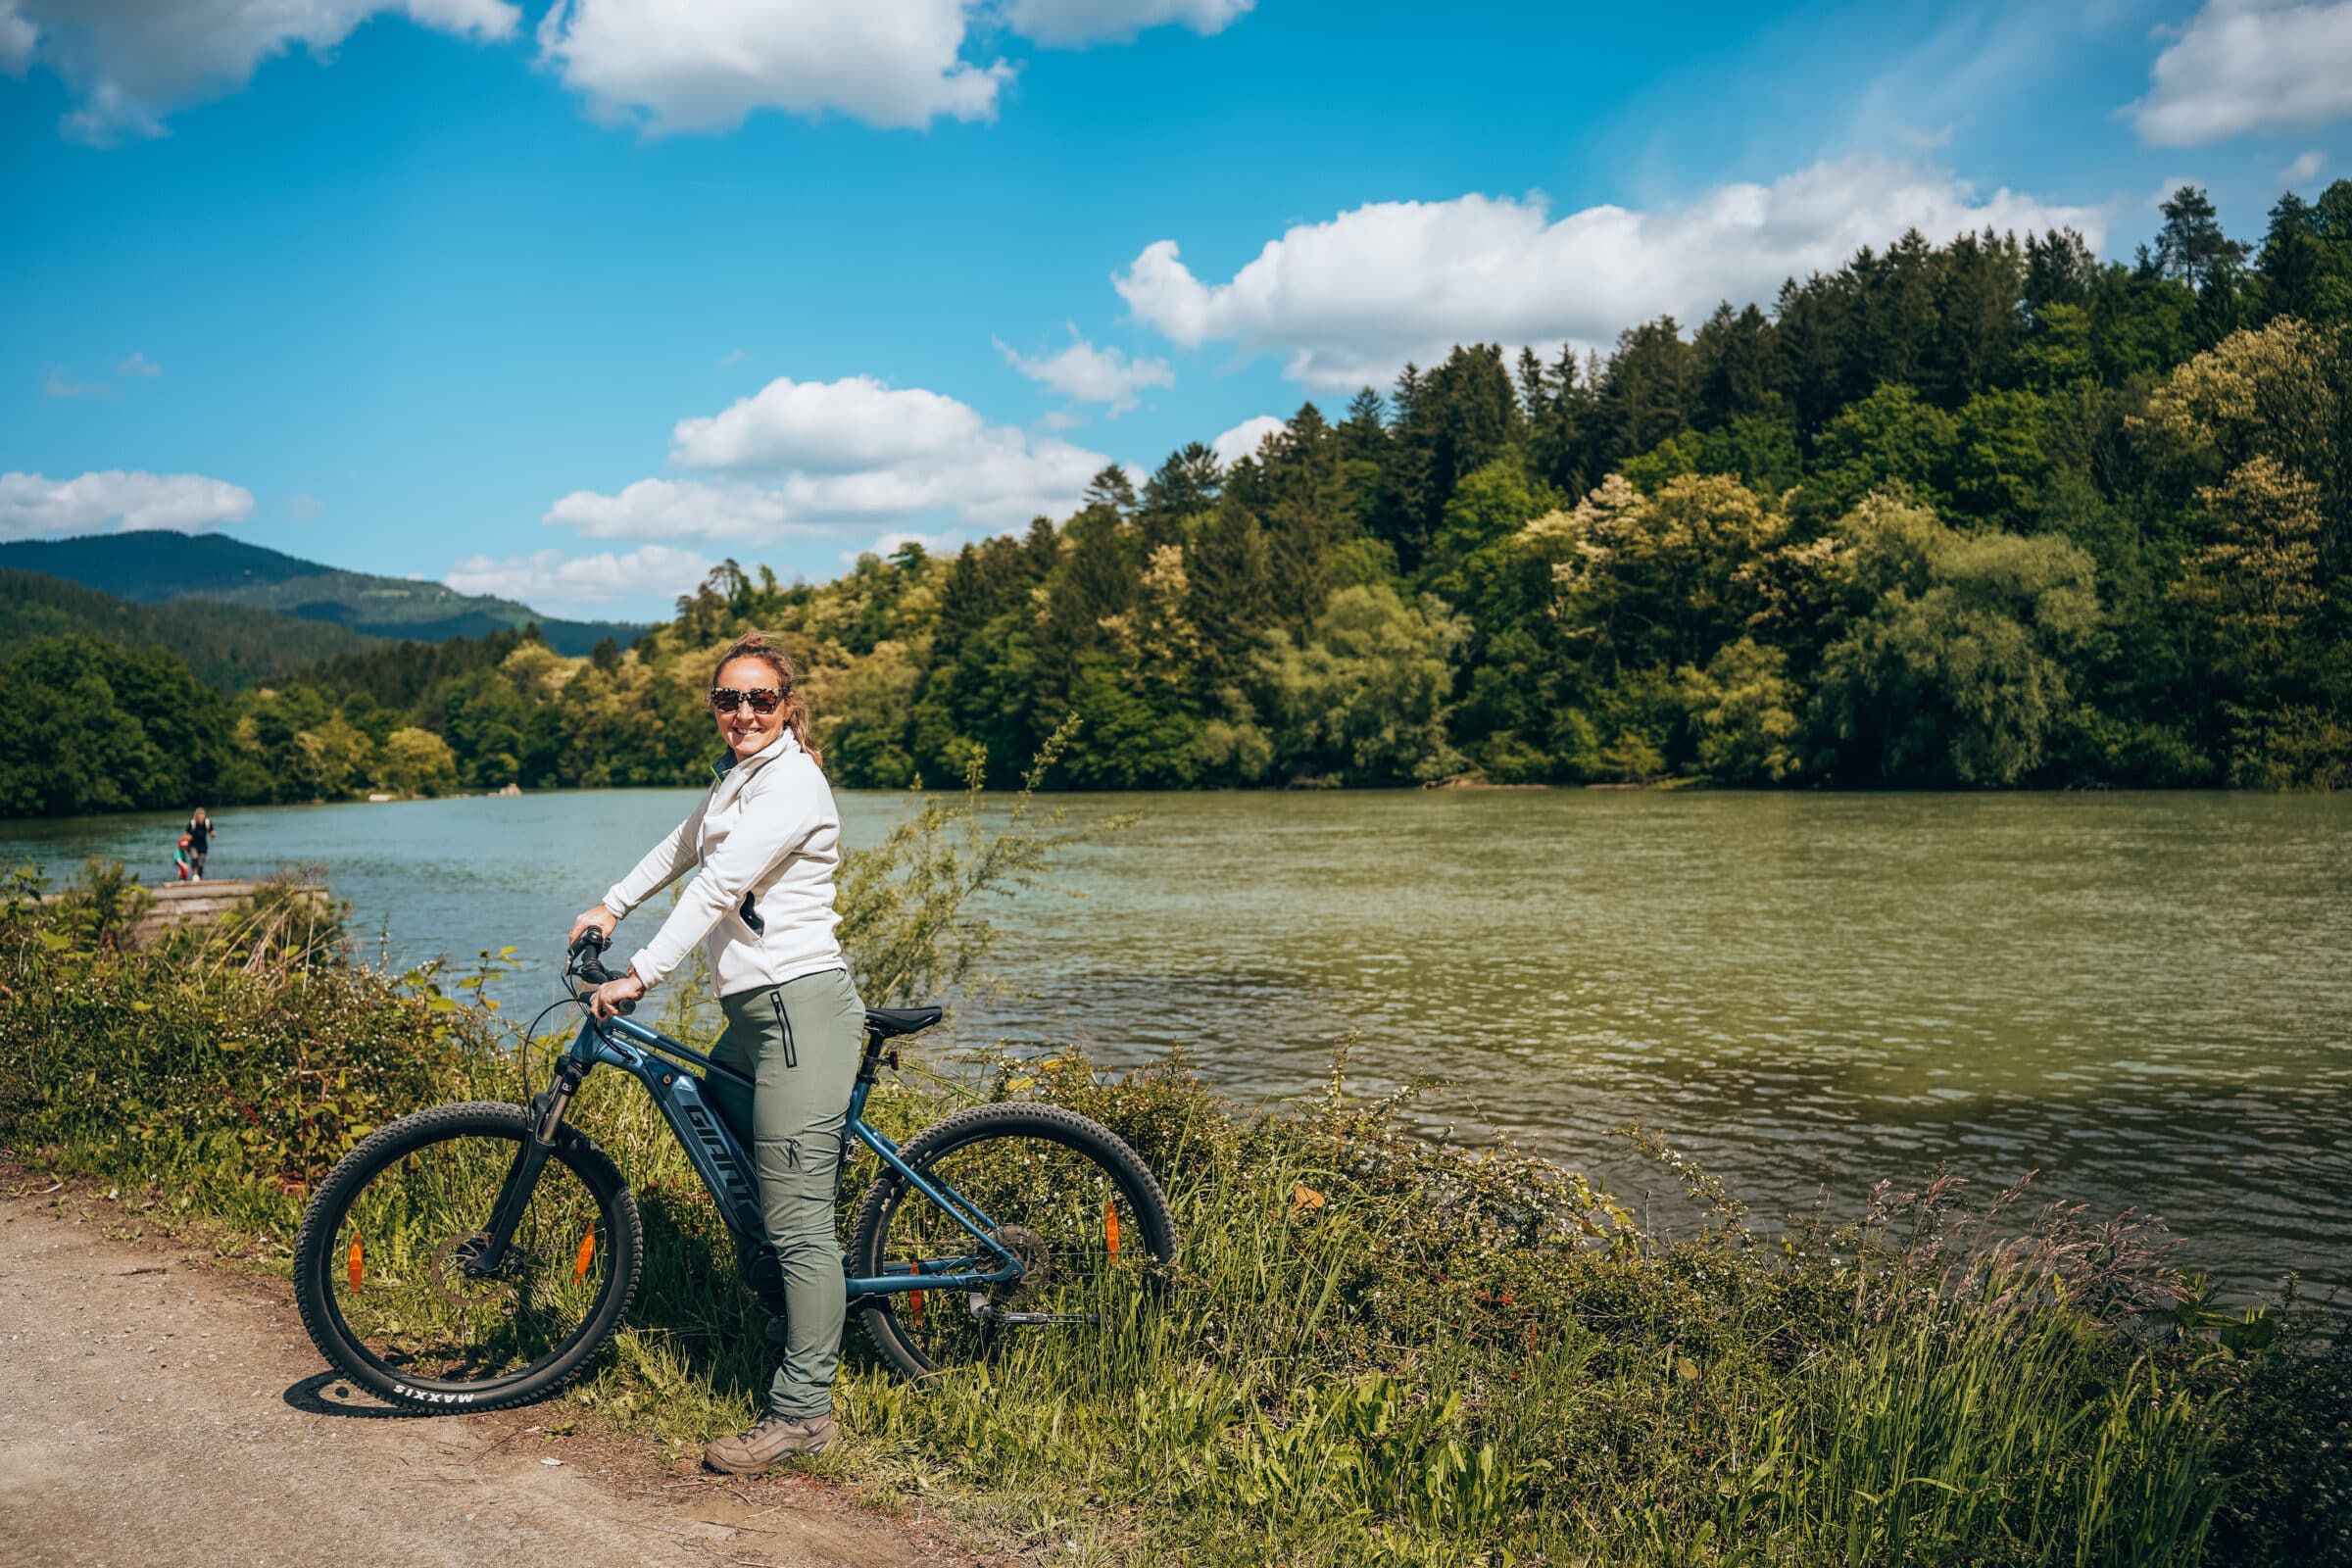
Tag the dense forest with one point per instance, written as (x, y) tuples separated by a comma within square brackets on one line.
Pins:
[(1987, 514)]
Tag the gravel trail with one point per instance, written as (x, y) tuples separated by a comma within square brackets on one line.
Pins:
[(155, 1411)]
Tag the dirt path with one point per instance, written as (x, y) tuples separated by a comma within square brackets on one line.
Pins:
[(154, 1411)]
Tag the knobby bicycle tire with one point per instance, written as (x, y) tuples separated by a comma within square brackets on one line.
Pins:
[(879, 1315), (315, 1258)]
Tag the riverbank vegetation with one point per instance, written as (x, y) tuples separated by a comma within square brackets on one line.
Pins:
[(1377, 1348), (1986, 513)]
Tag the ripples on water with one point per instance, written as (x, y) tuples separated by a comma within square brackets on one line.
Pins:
[(2141, 996)]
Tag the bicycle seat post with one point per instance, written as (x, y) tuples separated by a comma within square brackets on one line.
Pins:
[(888, 1023)]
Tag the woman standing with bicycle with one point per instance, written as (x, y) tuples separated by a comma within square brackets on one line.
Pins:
[(767, 838), (476, 1255)]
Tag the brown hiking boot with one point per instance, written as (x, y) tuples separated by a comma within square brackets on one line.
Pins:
[(748, 1453)]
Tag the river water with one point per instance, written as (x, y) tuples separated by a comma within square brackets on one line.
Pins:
[(2142, 997)]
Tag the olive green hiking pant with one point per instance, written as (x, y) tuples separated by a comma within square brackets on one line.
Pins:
[(799, 1043)]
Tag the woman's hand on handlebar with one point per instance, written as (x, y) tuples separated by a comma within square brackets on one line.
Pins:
[(596, 915), (606, 999)]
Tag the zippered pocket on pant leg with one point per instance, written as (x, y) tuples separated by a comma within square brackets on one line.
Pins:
[(792, 1054)]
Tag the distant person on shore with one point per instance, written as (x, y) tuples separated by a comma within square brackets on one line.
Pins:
[(199, 840), (768, 837)]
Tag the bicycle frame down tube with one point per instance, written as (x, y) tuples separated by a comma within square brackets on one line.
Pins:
[(718, 1158), (698, 1128)]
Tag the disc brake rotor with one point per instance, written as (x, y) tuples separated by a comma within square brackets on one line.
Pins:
[(1029, 1250), (1005, 1304), (461, 1289)]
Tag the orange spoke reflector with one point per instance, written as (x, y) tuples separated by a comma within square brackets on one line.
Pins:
[(914, 1298), (579, 1265), (351, 1266), (1110, 1229)]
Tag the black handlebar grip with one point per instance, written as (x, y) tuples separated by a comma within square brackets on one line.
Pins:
[(586, 955)]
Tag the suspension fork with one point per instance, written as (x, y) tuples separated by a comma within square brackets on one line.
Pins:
[(523, 1173)]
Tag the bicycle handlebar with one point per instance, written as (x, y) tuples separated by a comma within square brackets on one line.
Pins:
[(586, 960)]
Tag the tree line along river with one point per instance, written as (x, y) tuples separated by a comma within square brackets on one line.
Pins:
[(2144, 998)]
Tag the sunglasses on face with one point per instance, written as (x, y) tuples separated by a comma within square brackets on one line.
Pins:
[(762, 700)]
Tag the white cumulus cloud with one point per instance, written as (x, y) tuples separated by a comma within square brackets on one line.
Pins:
[(1003, 479), (675, 67), (1086, 373), (131, 62), (799, 458), (2306, 165), (2241, 66), (670, 509), (1067, 23), (704, 67), (579, 586), (856, 449), (139, 365), (33, 504), (1349, 300), (1241, 441), (855, 422)]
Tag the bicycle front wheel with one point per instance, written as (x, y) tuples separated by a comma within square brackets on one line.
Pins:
[(389, 1266), (1065, 1196)]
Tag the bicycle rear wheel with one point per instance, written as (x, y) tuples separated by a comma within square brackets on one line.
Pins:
[(1068, 1197), (381, 1266)]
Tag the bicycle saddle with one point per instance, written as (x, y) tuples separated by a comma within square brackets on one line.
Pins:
[(889, 1021)]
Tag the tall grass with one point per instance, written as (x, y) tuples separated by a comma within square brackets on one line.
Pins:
[(1377, 1348)]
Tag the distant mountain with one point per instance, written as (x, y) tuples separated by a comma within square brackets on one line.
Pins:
[(156, 566), (229, 647)]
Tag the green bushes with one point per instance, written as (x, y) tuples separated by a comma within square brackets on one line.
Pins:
[(250, 1054)]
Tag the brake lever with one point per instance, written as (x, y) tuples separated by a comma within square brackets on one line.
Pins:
[(596, 974), (588, 966)]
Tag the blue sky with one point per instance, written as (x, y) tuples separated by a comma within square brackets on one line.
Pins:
[(566, 306)]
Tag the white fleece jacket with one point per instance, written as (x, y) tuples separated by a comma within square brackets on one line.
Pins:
[(768, 837)]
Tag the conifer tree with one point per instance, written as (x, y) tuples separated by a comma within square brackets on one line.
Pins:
[(2293, 262), (1110, 488), (2191, 246), (1186, 483), (1732, 355)]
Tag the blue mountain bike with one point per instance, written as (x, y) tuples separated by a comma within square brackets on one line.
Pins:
[(474, 1257)]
